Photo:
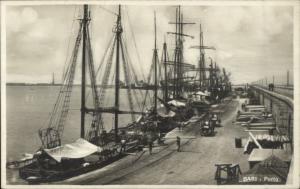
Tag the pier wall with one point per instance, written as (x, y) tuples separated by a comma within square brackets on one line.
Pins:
[(281, 107)]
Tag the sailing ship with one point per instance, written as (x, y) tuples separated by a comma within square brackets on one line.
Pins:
[(96, 147), (186, 95), (176, 82), (208, 90), (176, 103), (175, 108)]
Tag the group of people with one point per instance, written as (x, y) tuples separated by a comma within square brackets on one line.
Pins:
[(150, 145), (178, 143)]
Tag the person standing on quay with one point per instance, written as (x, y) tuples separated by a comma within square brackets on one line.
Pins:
[(123, 145), (178, 143), (150, 147)]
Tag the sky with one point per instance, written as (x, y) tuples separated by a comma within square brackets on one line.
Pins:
[(251, 41)]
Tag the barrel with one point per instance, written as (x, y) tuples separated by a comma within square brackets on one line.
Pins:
[(238, 142)]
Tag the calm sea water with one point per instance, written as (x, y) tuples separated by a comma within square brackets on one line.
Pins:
[(28, 108)]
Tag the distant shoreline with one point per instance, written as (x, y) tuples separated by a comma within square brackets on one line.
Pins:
[(149, 87), (32, 84)]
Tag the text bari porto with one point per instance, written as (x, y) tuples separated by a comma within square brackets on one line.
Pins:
[(260, 179)]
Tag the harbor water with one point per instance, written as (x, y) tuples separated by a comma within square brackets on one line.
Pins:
[(28, 109)]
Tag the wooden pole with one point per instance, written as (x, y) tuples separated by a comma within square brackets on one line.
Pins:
[(254, 140), (175, 57), (155, 66), (117, 78), (83, 76), (165, 69)]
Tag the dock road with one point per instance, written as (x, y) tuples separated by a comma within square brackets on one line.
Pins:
[(194, 164)]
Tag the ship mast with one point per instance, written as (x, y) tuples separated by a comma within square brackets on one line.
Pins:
[(118, 49), (117, 78), (178, 55), (155, 67), (165, 71), (201, 61), (216, 76), (83, 75), (211, 74), (203, 81)]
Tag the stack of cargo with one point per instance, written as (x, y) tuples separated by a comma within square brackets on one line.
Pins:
[(256, 118)]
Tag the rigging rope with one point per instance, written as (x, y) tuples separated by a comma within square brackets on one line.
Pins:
[(97, 122), (52, 135), (68, 46), (132, 68), (104, 55), (106, 75), (135, 45), (108, 10), (147, 91), (133, 75), (127, 81), (69, 87)]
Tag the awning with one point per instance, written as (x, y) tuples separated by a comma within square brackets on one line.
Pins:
[(262, 154), (255, 106), (26, 156), (217, 111), (249, 113), (214, 106), (176, 103), (201, 93), (270, 137), (79, 149)]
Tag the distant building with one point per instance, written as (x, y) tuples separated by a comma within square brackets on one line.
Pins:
[(53, 80)]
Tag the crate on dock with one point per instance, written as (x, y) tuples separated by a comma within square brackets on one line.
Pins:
[(238, 142), (231, 171)]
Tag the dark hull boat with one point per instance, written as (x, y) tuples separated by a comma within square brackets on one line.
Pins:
[(173, 109), (96, 148), (48, 168)]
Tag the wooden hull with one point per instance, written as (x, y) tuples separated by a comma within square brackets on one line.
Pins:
[(36, 172), (35, 175)]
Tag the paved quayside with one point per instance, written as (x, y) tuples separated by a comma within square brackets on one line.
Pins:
[(195, 164)]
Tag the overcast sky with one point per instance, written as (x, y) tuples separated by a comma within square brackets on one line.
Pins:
[(251, 42)]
